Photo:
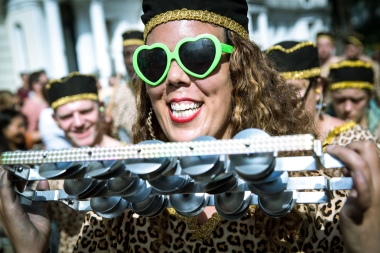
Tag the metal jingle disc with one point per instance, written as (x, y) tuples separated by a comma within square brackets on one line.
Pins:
[(122, 184), (233, 216), (118, 171), (102, 191), (271, 188), (222, 183), (104, 204), (99, 186), (198, 165), (196, 211), (97, 169), (168, 165), (59, 170), (232, 202), (142, 192), (146, 165), (273, 176), (148, 206), (76, 187), (170, 184), (187, 203), (255, 172), (211, 173), (120, 207), (161, 209), (252, 165), (277, 205)]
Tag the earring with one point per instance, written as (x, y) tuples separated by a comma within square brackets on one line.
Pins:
[(317, 90), (150, 125)]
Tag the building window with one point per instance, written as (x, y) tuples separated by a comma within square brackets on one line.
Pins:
[(254, 22), (21, 49)]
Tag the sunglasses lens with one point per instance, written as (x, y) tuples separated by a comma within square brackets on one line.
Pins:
[(152, 63), (198, 56)]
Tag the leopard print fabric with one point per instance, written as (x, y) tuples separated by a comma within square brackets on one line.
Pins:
[(308, 228), (68, 222)]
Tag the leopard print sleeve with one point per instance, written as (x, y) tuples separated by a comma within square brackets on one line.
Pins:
[(356, 133)]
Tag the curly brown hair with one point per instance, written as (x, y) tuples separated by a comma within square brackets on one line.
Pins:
[(260, 98)]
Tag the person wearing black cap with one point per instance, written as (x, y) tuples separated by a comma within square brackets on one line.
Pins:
[(352, 90), (297, 62), (121, 110), (354, 50), (199, 74), (326, 51), (77, 111)]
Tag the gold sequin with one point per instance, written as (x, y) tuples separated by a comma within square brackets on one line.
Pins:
[(351, 84), (200, 15), (68, 99), (351, 64), (63, 80), (133, 42), (336, 131), (302, 74), (199, 232), (292, 49)]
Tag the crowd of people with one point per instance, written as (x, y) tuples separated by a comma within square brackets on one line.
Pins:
[(206, 78)]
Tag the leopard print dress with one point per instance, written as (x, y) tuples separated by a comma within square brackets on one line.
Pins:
[(308, 228)]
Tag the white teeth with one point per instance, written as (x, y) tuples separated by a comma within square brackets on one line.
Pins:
[(183, 110)]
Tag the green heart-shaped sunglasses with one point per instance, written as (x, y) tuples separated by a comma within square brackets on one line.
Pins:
[(197, 56)]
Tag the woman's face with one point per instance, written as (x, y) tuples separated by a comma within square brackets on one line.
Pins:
[(187, 107), (15, 131)]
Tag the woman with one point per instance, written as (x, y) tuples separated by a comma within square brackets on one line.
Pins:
[(187, 103), (13, 130)]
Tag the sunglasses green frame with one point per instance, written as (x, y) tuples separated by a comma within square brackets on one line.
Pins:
[(219, 49)]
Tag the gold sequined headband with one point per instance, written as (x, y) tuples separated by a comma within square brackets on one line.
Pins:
[(199, 15), (68, 99), (351, 84), (351, 64), (133, 42), (302, 74), (292, 49)]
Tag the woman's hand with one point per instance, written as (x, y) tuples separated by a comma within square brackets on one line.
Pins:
[(28, 231), (360, 215)]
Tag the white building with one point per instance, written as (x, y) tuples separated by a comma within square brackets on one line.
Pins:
[(62, 36)]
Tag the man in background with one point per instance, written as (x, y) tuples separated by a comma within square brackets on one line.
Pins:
[(122, 107), (326, 51)]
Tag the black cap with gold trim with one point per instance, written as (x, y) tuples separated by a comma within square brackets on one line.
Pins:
[(295, 60), (356, 74), (356, 40), (71, 88), (132, 38), (230, 14)]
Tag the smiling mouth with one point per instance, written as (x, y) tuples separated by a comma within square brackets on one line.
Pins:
[(184, 110)]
